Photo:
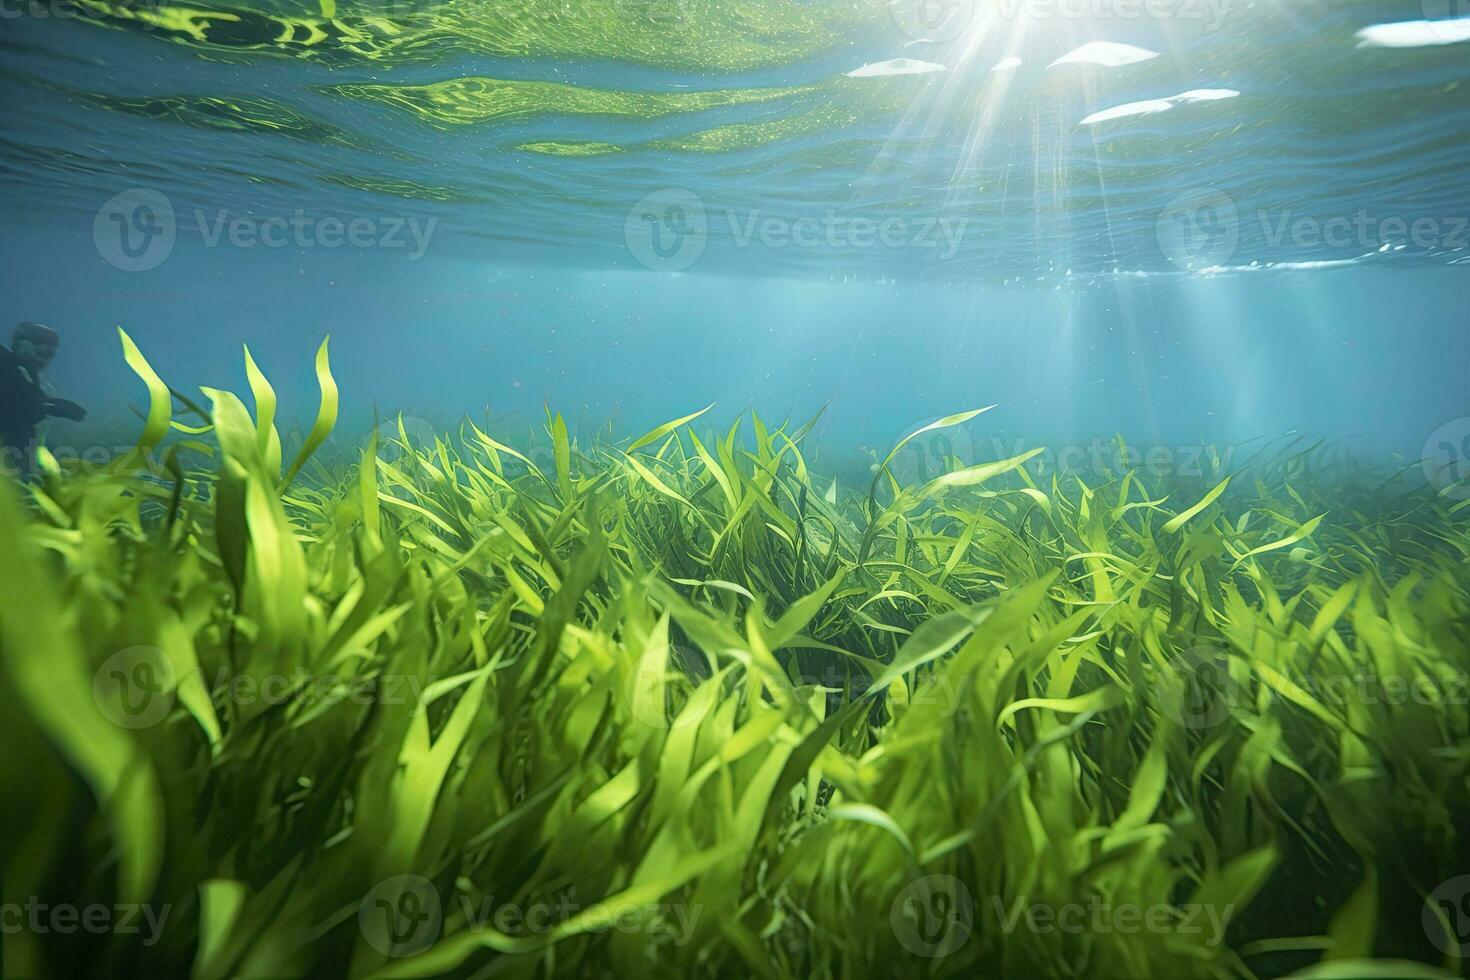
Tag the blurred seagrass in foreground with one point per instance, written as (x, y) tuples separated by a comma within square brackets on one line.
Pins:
[(682, 706)]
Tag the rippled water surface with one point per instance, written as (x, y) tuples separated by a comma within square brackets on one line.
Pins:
[(1015, 140)]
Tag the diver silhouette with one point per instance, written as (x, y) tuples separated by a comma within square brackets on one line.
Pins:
[(23, 402)]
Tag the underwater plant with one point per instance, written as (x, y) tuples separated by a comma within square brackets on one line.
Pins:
[(681, 705)]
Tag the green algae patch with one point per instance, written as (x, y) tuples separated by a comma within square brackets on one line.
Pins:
[(831, 106), (403, 187), (471, 101), (698, 35), (237, 114), (570, 149)]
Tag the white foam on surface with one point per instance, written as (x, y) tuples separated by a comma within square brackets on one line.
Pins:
[(897, 66), (1415, 33), (1311, 265), (1146, 108), (1108, 54), (1151, 106), (1210, 272), (1205, 95)]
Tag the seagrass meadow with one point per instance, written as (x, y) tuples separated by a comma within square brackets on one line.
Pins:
[(781, 489), (684, 705)]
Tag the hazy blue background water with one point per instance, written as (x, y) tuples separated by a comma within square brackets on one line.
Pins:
[(1064, 300)]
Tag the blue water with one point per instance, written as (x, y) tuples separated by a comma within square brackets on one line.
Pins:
[(1280, 254)]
